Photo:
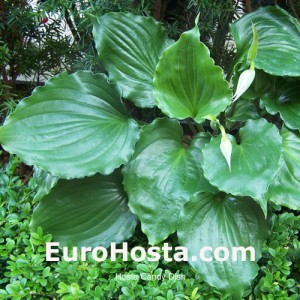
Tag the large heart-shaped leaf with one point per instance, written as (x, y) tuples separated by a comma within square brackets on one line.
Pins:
[(187, 83), (285, 189), (162, 175), (130, 47), (92, 212), (72, 127), (285, 99), (254, 161), (279, 40), (219, 220)]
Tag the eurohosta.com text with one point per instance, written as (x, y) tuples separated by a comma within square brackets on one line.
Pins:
[(154, 253)]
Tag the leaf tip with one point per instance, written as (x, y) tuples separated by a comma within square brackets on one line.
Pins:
[(197, 20), (91, 17)]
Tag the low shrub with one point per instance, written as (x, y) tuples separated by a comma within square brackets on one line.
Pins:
[(24, 273)]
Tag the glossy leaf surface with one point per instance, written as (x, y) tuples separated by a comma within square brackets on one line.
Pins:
[(72, 127), (278, 40), (130, 47), (162, 175), (254, 161), (243, 111), (219, 220), (285, 99), (45, 182), (187, 83), (90, 212), (285, 189)]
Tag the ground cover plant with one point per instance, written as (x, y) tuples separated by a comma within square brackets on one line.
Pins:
[(25, 274), (101, 171)]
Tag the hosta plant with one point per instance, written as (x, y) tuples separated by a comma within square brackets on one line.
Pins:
[(101, 171)]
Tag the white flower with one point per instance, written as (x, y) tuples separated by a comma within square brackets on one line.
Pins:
[(245, 80)]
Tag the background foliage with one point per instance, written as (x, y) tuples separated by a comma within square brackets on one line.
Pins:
[(36, 49)]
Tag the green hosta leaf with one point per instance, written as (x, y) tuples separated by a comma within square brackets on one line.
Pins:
[(285, 100), (72, 127), (243, 111), (285, 189), (90, 212), (278, 40), (219, 220), (162, 175), (187, 83), (45, 183), (130, 47), (254, 161)]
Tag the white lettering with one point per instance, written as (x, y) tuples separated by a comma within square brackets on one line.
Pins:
[(123, 251), (217, 253), (202, 253), (66, 254), (95, 254), (243, 251), (49, 251), (154, 256), (84, 251), (181, 255), (166, 248), (138, 249)]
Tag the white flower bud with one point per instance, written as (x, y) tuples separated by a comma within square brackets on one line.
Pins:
[(226, 149), (245, 80)]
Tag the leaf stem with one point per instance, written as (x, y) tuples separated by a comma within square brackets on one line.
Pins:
[(140, 123), (186, 140), (232, 109)]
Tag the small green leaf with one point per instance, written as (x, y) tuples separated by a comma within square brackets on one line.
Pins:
[(13, 289), (130, 47), (4, 294), (126, 291), (63, 288), (162, 175), (255, 161), (279, 40), (67, 297), (284, 99), (219, 220), (187, 83), (142, 268), (74, 289), (91, 212), (285, 188), (72, 127)]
